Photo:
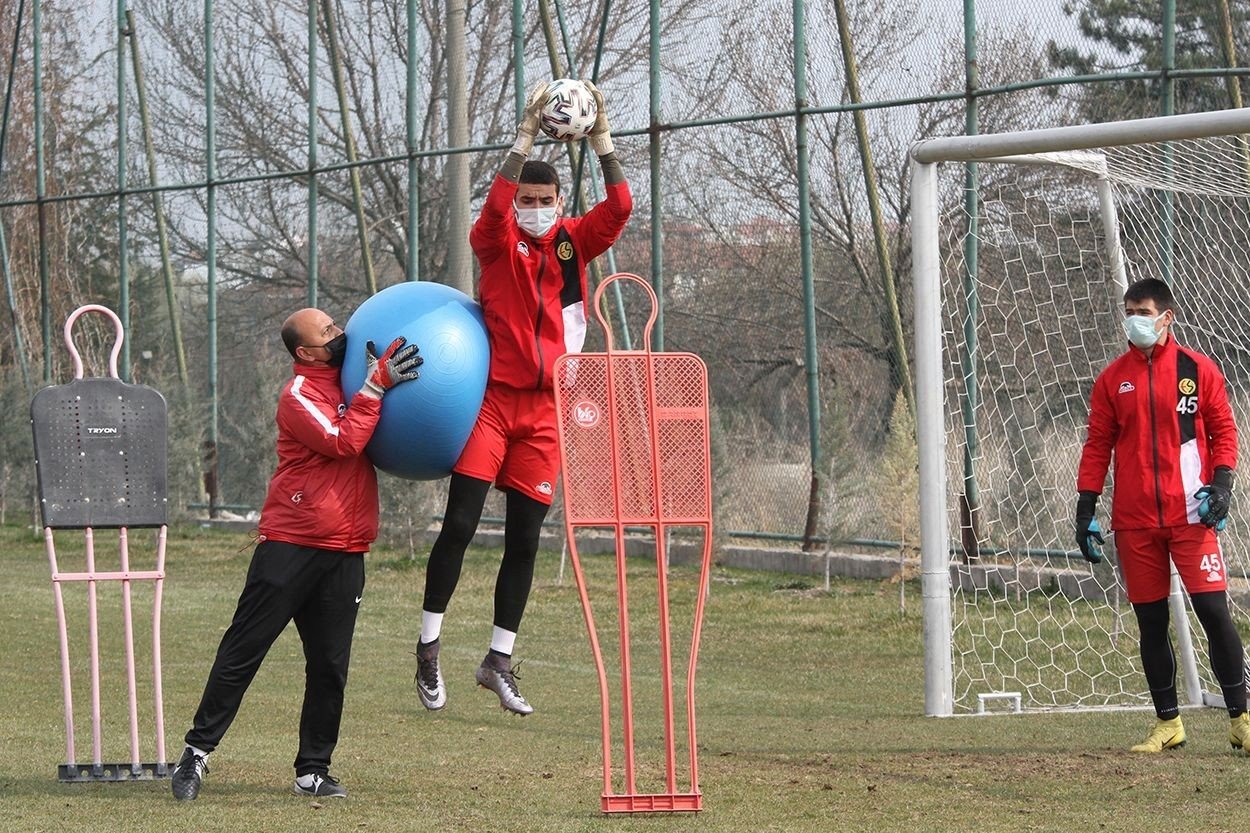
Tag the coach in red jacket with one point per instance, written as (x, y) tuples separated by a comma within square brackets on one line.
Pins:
[(1163, 411), (533, 295), (318, 520)]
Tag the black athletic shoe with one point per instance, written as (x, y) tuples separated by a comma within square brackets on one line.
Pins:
[(430, 686), (319, 786), (187, 776)]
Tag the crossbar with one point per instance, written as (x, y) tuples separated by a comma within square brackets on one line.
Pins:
[(1081, 137)]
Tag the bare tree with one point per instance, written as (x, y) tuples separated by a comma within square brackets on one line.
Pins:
[(79, 249), (261, 56), (739, 186), (261, 94)]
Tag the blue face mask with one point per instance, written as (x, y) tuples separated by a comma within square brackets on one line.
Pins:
[(1140, 330)]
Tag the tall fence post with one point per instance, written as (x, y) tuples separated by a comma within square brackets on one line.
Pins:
[(459, 258), (412, 267), (212, 481), (314, 267), (970, 499), (812, 523), (123, 231)]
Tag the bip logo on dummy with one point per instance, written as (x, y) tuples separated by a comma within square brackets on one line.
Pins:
[(586, 414)]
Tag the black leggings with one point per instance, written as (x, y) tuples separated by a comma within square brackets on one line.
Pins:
[(523, 523), (1159, 662), (1225, 647)]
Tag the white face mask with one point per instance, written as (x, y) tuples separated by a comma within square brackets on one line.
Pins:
[(536, 221), (1140, 330)]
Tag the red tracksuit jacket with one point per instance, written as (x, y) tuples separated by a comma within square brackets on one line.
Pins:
[(325, 491), (533, 290), (1168, 421)]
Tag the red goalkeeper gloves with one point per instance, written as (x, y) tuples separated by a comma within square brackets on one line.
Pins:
[(398, 364)]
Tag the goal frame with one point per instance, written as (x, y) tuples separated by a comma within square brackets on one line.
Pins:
[(927, 154)]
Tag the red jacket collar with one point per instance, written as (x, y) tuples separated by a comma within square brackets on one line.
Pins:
[(1159, 352), (316, 371)]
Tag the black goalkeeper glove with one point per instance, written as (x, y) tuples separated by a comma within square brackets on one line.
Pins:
[(1216, 497), (1088, 532)]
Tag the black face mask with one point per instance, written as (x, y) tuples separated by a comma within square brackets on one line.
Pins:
[(338, 350)]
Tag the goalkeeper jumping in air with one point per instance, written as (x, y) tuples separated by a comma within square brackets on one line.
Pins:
[(533, 295), (1163, 411)]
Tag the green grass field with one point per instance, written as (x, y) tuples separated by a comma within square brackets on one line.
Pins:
[(810, 717)]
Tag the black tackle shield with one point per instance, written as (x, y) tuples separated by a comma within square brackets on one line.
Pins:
[(100, 454)]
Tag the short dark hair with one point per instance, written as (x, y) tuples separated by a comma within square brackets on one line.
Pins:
[(290, 337), (1151, 289), (538, 172)]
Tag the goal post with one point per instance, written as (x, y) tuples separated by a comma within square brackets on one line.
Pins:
[(1066, 218)]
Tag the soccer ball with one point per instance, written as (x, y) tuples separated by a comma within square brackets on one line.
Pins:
[(569, 112)]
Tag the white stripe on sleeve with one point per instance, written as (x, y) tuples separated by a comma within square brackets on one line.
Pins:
[(330, 427), (1191, 479), (574, 327)]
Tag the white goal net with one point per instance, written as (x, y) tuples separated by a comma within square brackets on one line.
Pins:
[(1018, 308)]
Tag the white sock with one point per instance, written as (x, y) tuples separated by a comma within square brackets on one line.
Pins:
[(502, 640), (195, 751), (305, 781), (431, 626)]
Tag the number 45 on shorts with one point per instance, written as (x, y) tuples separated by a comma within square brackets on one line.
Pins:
[(1213, 566)]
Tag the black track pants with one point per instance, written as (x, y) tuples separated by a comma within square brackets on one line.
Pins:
[(321, 590)]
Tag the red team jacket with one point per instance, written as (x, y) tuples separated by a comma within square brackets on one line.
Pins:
[(533, 290), (1169, 423), (325, 491)]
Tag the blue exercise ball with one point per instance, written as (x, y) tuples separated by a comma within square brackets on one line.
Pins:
[(426, 422)]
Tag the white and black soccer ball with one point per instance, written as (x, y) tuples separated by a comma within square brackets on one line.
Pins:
[(569, 112)]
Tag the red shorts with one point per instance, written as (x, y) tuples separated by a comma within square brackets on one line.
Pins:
[(514, 443), (1143, 555)]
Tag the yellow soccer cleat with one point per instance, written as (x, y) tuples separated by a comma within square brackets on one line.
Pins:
[(1166, 734), (1239, 732)]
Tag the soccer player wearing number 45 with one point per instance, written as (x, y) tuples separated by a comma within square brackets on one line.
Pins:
[(1163, 411)]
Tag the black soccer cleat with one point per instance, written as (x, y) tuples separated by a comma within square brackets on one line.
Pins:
[(188, 774), (317, 785)]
